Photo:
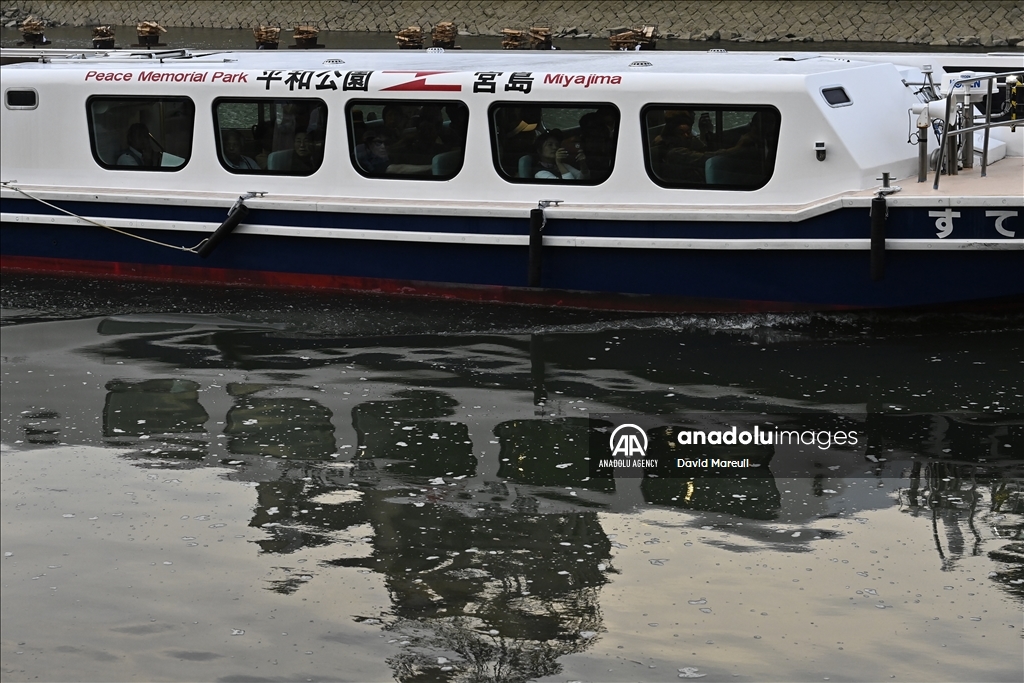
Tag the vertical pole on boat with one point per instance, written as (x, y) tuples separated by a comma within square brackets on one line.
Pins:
[(967, 139), (988, 127), (942, 144), (536, 246), (1013, 101), (952, 161), (879, 209), (922, 146)]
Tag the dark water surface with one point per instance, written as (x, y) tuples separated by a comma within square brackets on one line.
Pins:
[(241, 485), (79, 37)]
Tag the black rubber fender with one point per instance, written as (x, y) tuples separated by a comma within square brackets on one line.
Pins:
[(878, 212), (237, 215), (536, 247)]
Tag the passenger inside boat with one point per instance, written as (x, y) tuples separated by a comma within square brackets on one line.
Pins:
[(425, 142), (519, 130), (420, 139), (706, 131), (677, 155), (751, 160), (597, 143), (149, 133), (302, 160), (396, 127), (233, 146), (552, 160), (141, 149), (372, 153), (263, 139), (586, 134), (727, 148), (458, 125), (282, 137)]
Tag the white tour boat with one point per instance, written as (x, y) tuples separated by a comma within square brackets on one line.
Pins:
[(653, 180)]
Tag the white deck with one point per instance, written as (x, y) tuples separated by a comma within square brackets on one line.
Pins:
[(1003, 179)]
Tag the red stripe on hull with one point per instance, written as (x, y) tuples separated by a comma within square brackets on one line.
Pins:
[(482, 293)]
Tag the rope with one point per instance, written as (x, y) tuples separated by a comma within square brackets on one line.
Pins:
[(192, 250)]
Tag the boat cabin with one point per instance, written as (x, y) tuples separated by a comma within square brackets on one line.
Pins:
[(667, 128)]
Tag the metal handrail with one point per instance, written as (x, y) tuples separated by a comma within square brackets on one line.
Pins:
[(987, 126)]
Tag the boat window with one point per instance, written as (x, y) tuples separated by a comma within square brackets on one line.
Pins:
[(710, 147), (22, 98), (555, 143), (270, 136), (141, 133), (836, 96), (413, 139)]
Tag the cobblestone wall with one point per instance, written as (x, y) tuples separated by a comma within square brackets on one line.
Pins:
[(985, 22)]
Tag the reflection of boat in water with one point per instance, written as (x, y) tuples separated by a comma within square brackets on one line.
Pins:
[(433, 174), (407, 435), (752, 494), (954, 495), (498, 550)]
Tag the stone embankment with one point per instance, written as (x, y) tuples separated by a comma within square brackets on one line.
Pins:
[(992, 23)]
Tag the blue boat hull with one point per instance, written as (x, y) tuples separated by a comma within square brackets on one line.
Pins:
[(747, 277)]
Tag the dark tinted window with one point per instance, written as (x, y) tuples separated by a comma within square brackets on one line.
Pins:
[(141, 134), (835, 96), (408, 139), (273, 136), (710, 147), (21, 99), (554, 143)]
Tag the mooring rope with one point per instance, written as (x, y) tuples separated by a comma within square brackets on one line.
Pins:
[(193, 250)]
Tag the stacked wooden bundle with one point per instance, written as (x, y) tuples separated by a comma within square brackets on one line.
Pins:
[(305, 37), (513, 39), (149, 34), (267, 35), (627, 40), (648, 37), (32, 31), (410, 38), (149, 28), (444, 34), (643, 38), (32, 26), (540, 38), (103, 37)]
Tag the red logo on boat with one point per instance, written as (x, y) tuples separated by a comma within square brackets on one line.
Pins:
[(420, 82)]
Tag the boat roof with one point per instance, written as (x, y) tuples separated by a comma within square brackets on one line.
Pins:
[(551, 61)]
